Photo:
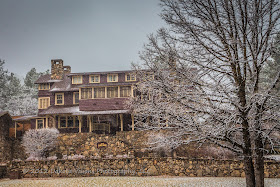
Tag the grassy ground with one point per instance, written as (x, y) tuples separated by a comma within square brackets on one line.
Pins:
[(136, 181)]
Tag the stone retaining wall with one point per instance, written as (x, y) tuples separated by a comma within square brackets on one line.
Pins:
[(3, 171), (123, 143), (138, 167)]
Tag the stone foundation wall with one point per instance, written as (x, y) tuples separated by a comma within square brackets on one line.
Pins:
[(138, 167), (125, 143), (3, 171)]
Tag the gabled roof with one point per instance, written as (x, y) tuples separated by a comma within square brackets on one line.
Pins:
[(60, 110), (4, 113), (74, 110), (64, 85), (99, 73), (46, 79), (25, 118)]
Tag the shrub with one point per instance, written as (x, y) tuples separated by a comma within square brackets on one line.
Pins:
[(39, 142)]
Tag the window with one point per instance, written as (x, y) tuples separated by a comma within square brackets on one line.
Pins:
[(39, 123), (94, 79), (125, 91), (68, 122), (77, 80), (62, 122), (76, 98), (112, 92), (148, 76), (59, 99), (45, 86), (101, 127), (43, 102), (112, 78), (130, 77), (86, 93), (99, 92)]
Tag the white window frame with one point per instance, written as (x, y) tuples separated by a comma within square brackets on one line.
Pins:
[(40, 86), (90, 78), (56, 94), (76, 76), (66, 117), (42, 121), (108, 78), (130, 74), (74, 93), (41, 98)]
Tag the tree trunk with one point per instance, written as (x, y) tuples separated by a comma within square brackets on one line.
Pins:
[(259, 171), (259, 162), (249, 171)]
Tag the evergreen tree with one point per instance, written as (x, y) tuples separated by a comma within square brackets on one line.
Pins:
[(273, 66), (16, 98), (32, 76)]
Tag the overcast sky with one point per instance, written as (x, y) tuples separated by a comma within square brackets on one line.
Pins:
[(89, 35)]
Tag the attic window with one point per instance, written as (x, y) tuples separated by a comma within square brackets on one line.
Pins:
[(44, 86), (94, 79), (112, 78), (77, 79), (130, 77)]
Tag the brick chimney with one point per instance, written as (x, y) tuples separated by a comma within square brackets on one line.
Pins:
[(58, 70)]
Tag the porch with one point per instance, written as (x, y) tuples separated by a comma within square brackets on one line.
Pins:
[(72, 120)]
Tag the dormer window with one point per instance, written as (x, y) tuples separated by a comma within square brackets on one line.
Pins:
[(148, 76), (77, 79), (130, 77), (112, 78), (44, 86), (94, 79), (59, 99)]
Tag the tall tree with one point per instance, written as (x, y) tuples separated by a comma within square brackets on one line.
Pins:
[(15, 98), (273, 65), (10, 86), (207, 66), (3, 84), (32, 76)]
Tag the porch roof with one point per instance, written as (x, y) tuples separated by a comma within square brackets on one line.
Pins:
[(74, 110), (24, 118)]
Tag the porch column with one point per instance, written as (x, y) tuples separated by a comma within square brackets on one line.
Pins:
[(54, 125), (47, 121), (15, 129), (90, 123), (80, 123), (121, 116), (132, 121)]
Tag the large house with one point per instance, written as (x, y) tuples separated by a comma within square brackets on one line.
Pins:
[(84, 102)]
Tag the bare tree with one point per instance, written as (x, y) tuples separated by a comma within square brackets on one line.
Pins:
[(206, 87), (38, 142)]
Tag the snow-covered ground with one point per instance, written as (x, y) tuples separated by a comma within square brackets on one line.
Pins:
[(137, 181)]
